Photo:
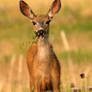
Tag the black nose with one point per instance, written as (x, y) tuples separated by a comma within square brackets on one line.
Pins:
[(40, 33)]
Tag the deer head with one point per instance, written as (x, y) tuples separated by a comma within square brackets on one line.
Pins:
[(40, 22)]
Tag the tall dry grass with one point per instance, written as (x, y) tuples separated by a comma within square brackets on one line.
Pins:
[(43, 4)]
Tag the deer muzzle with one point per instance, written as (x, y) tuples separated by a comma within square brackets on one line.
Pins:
[(40, 34)]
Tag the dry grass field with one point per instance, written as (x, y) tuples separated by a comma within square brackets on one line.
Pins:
[(16, 35)]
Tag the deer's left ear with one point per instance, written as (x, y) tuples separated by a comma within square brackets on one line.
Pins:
[(56, 5)]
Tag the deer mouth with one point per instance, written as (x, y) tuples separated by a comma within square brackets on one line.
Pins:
[(41, 34)]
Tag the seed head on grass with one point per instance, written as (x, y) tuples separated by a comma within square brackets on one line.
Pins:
[(76, 90), (82, 75), (90, 88), (72, 85), (63, 90)]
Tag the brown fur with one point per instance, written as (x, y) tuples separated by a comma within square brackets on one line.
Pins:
[(43, 65), (44, 73)]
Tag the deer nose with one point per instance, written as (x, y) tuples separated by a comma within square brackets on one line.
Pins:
[(40, 32)]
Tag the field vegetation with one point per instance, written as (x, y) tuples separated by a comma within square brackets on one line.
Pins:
[(16, 35)]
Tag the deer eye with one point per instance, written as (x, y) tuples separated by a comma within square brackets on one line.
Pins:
[(34, 23), (47, 22)]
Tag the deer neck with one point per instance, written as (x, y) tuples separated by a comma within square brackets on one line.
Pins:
[(43, 49), (42, 42)]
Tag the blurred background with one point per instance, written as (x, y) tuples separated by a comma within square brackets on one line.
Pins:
[(16, 35)]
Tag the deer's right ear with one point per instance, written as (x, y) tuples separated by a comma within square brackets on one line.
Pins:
[(25, 9)]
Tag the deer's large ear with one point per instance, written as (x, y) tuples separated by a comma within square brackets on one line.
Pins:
[(25, 9), (56, 5)]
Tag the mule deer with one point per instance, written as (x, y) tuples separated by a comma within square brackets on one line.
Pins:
[(43, 65)]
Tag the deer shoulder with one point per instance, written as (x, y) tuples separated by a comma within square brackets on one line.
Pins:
[(31, 53)]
